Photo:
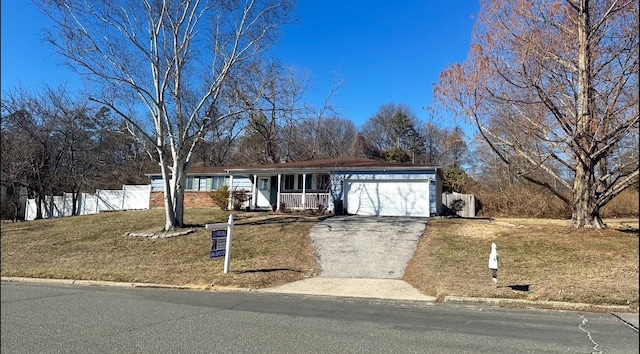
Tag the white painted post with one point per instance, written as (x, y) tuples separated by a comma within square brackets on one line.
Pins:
[(227, 254), (493, 262), (304, 190), (279, 189), (230, 206), (255, 191)]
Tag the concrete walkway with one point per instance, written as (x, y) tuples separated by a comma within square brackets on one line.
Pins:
[(362, 257)]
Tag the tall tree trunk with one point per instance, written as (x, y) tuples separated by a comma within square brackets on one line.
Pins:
[(170, 218), (39, 201), (585, 211), (74, 201), (179, 194)]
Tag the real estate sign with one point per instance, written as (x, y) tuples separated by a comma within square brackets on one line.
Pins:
[(218, 243), (221, 238)]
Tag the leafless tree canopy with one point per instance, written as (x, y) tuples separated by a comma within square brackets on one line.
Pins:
[(53, 142), (553, 88), (165, 66)]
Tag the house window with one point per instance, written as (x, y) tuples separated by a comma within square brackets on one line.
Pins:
[(218, 182), (323, 181), (289, 182), (206, 183), (202, 186), (189, 186), (308, 182), (263, 184)]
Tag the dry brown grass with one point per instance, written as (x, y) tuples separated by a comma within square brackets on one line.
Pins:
[(557, 263), (267, 249)]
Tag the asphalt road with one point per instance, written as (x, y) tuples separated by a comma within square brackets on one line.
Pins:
[(79, 319)]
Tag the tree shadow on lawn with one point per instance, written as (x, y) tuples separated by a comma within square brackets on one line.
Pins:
[(631, 231), (282, 219), (269, 221), (266, 270), (519, 287)]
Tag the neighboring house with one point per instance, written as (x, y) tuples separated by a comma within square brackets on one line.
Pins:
[(351, 185)]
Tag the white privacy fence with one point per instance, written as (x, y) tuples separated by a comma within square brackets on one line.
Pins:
[(129, 198)]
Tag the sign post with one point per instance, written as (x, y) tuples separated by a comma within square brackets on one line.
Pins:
[(221, 237), (227, 256)]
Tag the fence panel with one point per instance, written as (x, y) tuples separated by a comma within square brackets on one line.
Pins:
[(466, 208), (130, 197), (68, 205), (136, 197), (31, 210), (109, 200), (88, 203)]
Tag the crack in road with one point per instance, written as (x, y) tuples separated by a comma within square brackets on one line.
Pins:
[(595, 345)]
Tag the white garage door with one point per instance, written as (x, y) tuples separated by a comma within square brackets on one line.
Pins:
[(388, 197)]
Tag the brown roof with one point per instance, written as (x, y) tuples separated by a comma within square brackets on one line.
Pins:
[(327, 163), (207, 169), (338, 163)]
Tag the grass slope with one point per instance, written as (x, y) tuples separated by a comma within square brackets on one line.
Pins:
[(267, 250), (539, 259)]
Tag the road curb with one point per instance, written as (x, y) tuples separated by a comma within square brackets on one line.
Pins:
[(557, 305), (120, 284)]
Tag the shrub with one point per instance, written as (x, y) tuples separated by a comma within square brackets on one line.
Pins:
[(525, 201), (456, 206), (239, 198), (221, 197)]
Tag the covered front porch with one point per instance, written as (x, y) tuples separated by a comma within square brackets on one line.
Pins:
[(287, 191)]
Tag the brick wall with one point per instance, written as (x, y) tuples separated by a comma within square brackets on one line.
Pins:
[(191, 199)]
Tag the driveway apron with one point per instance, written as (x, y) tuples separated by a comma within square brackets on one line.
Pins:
[(366, 247)]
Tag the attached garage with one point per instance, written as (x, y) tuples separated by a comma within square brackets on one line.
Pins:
[(390, 197)]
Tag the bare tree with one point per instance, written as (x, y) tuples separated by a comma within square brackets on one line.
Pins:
[(219, 142), (281, 126), (172, 59), (54, 143), (395, 130), (31, 121), (323, 138), (553, 88), (445, 147)]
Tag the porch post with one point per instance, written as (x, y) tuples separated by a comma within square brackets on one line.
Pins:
[(304, 190), (254, 199), (279, 189), (230, 206)]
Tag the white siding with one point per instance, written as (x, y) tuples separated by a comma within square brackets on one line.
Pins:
[(241, 182)]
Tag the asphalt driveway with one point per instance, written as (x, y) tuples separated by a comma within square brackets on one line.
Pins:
[(366, 247)]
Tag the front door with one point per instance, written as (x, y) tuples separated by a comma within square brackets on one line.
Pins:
[(264, 192)]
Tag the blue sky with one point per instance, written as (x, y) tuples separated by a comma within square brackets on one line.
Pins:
[(384, 51)]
